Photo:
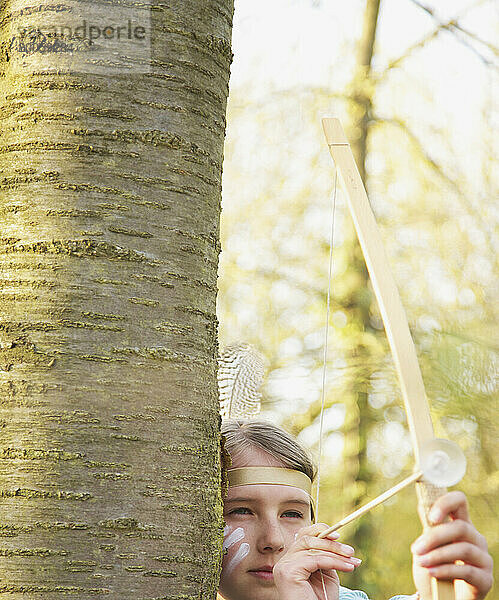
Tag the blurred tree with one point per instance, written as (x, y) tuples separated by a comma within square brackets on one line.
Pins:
[(109, 215), (357, 300)]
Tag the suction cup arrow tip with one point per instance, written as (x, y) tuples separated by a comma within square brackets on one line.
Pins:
[(443, 463)]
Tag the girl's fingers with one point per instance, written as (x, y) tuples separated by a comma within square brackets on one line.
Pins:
[(325, 553), (463, 551), (453, 505), (453, 548), (330, 575), (347, 559), (315, 530), (308, 542), (476, 577), (447, 533), (327, 561)]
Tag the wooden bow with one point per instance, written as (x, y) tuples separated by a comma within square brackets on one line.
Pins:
[(394, 319)]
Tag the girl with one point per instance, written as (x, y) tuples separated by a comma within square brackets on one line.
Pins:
[(270, 544)]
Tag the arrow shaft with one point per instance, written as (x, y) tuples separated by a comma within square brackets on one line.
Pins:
[(372, 504)]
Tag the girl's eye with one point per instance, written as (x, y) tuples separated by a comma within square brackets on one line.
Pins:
[(294, 514), (241, 510)]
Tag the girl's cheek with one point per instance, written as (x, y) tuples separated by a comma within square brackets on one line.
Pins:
[(241, 553), (232, 537), (235, 550)]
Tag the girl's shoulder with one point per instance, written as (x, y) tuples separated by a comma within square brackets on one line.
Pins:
[(348, 594)]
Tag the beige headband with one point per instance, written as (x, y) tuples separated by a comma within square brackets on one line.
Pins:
[(269, 476)]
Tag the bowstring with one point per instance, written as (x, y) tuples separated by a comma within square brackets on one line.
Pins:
[(326, 331)]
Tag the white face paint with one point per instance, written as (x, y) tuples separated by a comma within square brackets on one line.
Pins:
[(231, 538), (236, 536), (238, 557)]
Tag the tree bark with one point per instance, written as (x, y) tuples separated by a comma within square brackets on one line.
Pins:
[(359, 417), (109, 217)]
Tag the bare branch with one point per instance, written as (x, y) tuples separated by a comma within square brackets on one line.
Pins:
[(450, 25), (474, 37)]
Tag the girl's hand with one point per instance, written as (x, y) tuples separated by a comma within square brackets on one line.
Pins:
[(452, 550), (297, 575)]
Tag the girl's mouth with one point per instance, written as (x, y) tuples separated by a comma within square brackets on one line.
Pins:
[(265, 573)]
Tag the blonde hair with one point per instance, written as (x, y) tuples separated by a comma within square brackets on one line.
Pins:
[(240, 435)]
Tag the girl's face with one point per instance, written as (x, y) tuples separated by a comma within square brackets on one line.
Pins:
[(261, 523)]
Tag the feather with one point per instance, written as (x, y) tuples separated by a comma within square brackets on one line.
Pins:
[(240, 374)]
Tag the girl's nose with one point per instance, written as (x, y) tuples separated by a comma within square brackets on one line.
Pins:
[(271, 538)]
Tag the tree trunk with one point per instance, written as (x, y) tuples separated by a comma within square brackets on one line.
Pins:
[(359, 418), (109, 216)]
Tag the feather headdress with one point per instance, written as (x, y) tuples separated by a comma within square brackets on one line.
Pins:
[(240, 374)]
